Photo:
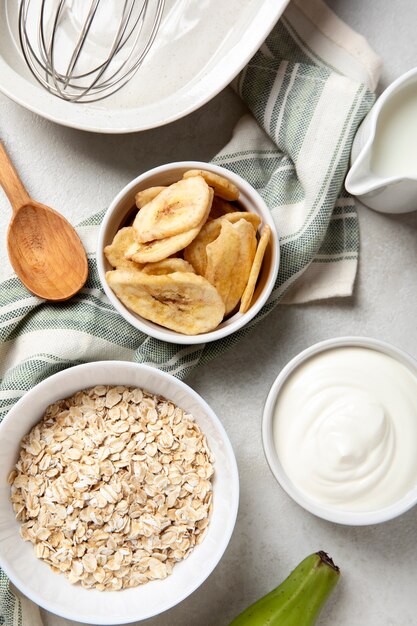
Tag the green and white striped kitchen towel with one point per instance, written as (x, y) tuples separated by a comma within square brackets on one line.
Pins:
[(308, 88)]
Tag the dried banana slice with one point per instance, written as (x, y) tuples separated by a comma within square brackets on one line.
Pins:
[(253, 218), (180, 207), (160, 249), (115, 252), (229, 261), (222, 262), (255, 270), (146, 195), (181, 301), (222, 187), (195, 252), (168, 266), (220, 207)]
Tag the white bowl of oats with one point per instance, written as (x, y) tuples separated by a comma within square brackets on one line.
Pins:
[(119, 492)]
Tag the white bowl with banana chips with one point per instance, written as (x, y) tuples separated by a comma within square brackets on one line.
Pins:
[(118, 215)]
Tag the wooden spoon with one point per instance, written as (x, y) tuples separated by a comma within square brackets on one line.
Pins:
[(44, 249)]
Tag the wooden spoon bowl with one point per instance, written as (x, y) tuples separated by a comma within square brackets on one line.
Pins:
[(44, 249)]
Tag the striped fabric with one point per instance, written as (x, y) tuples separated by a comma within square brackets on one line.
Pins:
[(308, 89)]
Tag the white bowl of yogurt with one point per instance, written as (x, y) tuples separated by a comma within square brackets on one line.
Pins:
[(340, 430)]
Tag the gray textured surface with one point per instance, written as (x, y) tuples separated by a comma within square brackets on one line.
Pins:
[(79, 173)]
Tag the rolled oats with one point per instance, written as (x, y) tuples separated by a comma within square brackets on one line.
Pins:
[(113, 487)]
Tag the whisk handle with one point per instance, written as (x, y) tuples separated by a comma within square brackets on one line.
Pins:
[(11, 183)]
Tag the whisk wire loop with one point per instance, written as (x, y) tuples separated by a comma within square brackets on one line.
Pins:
[(85, 77)]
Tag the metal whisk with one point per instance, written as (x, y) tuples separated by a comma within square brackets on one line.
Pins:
[(84, 51)]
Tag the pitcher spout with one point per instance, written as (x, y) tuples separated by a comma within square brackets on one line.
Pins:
[(361, 180), (383, 173)]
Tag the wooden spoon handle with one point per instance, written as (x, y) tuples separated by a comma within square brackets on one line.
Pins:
[(11, 183)]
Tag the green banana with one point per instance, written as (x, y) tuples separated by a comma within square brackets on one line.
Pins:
[(299, 599)]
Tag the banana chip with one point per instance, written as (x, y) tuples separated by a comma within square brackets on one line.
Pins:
[(178, 208), (229, 261), (222, 187), (168, 266), (160, 249), (146, 195), (256, 268), (222, 259), (181, 301), (115, 252), (220, 207), (195, 253), (253, 218)]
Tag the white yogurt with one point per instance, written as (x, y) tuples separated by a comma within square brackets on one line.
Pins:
[(345, 428)]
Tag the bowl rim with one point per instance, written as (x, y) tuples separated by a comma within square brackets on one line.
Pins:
[(328, 513), (233, 478), (241, 319), (193, 95)]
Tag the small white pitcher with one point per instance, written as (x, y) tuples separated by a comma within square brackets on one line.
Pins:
[(394, 194)]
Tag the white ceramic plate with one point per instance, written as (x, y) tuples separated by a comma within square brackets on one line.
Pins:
[(53, 591), (200, 48)]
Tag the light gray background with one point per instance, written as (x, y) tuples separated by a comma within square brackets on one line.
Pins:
[(79, 173)]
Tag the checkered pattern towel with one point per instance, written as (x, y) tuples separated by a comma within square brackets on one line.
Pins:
[(307, 88)]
